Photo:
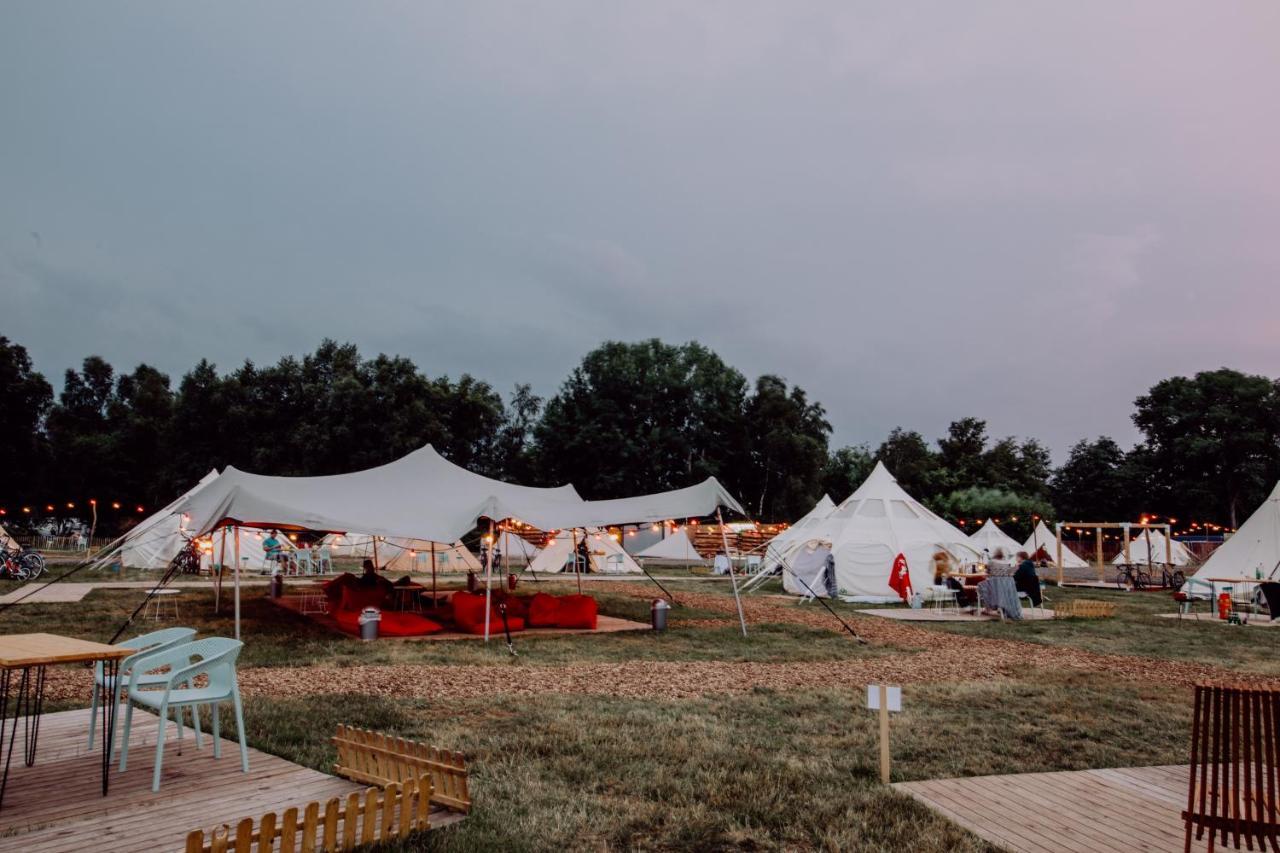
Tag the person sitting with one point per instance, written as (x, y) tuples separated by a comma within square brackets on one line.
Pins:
[(583, 556), (274, 551), (966, 596), (1025, 578), (370, 576), (941, 567), (999, 565)]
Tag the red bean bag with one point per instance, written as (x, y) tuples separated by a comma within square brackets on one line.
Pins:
[(516, 607), (398, 623), (577, 611), (348, 620), (544, 611), (468, 613), (333, 588), (356, 596), (514, 623)]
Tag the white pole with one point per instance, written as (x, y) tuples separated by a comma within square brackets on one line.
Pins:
[(724, 541), (488, 578), (237, 556), (222, 567)]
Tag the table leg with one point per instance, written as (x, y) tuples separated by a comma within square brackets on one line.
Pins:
[(110, 672), (26, 705)]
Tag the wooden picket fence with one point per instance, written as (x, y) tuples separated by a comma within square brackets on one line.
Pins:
[(377, 759), (1084, 608), (377, 814)]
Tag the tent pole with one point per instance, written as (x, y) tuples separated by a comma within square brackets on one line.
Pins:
[(724, 540), (574, 534), (237, 556), (1101, 569), (433, 575), (1127, 556), (1059, 555), (488, 580), (1168, 546), (375, 553), (217, 578)]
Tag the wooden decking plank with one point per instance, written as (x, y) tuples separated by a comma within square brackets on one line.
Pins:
[(987, 820), (1015, 799)]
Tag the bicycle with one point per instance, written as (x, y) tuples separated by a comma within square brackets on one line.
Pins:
[(188, 559), (1172, 579), (1130, 576), (21, 565)]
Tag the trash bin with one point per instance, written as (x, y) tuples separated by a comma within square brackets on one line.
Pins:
[(277, 584), (369, 619), (658, 614)]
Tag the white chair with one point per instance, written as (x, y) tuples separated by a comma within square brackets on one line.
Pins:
[(753, 564), (214, 657), (941, 595), (324, 561), (145, 644)]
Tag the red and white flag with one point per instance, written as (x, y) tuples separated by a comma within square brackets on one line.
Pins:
[(900, 577)]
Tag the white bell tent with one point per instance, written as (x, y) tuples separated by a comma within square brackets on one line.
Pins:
[(1252, 551), (1148, 546), (253, 556), (993, 541), (7, 541), (606, 555), (157, 539), (1043, 537), (786, 543), (868, 531), (516, 550), (674, 547), (404, 555)]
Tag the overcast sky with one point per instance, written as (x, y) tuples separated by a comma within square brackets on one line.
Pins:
[(1025, 211)]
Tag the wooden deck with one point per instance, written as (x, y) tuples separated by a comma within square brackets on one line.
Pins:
[(1123, 809), (57, 805)]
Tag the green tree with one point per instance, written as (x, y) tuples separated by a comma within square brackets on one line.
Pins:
[(1096, 483), (787, 450), (962, 454), (642, 417), (80, 433), (845, 471), (911, 461), (1214, 440), (1016, 513), (25, 399)]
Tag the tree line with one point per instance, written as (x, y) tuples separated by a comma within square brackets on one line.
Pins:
[(630, 418)]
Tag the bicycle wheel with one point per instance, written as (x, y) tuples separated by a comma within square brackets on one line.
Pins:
[(1141, 580), (1123, 579), (1178, 579), (32, 563)]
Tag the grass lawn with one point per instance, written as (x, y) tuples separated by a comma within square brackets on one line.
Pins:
[(761, 770)]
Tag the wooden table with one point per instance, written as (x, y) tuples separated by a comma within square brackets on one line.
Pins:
[(31, 654), (405, 596)]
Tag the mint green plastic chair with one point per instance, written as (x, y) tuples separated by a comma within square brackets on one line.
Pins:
[(214, 657), (145, 644)]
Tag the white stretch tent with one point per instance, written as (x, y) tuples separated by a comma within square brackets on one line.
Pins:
[(607, 556), (1043, 537), (517, 550), (424, 496), (1252, 551), (676, 546), (6, 541), (871, 527), (1158, 554), (783, 546), (990, 538), (157, 539), (253, 557), (404, 555)]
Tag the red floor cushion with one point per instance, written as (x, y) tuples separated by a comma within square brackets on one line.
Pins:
[(398, 623), (348, 620), (356, 596), (516, 607), (468, 613), (514, 623), (333, 588), (544, 611), (577, 611)]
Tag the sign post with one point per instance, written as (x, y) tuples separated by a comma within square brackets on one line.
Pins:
[(884, 698)]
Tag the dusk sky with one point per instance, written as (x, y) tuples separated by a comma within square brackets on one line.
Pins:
[(1024, 211)]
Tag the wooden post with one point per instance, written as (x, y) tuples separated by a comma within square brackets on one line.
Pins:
[(573, 534), (237, 556), (1127, 557), (488, 580), (217, 580), (375, 553), (1059, 554), (434, 600), (1168, 547), (733, 579), (884, 733), (1101, 569)]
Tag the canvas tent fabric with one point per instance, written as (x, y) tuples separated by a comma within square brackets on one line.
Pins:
[(991, 539), (870, 528), (1159, 555), (424, 496), (6, 541), (1253, 550), (404, 555), (783, 546), (516, 550), (607, 556), (157, 539), (674, 546), (253, 557), (1043, 537)]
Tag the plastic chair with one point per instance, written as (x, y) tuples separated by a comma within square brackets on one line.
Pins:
[(214, 657), (324, 561), (302, 558), (145, 644)]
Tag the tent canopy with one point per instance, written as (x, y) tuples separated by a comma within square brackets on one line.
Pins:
[(7, 541), (675, 546), (606, 555), (1043, 537), (875, 524), (424, 496), (157, 539), (784, 545), (990, 538), (1253, 550), (1139, 555)]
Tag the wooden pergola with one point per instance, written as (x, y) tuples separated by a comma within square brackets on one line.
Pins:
[(1126, 526)]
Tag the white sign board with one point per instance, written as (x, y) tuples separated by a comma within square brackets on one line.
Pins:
[(894, 697)]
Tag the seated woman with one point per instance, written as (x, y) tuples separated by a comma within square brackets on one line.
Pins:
[(966, 596), (1025, 578)]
